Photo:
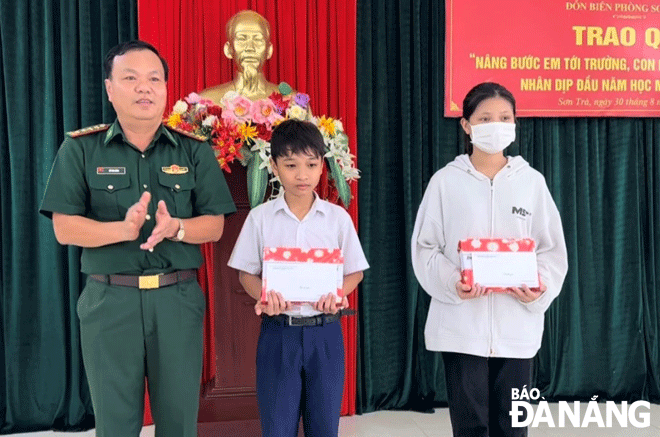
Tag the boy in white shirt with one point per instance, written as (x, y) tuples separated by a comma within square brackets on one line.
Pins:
[(300, 353)]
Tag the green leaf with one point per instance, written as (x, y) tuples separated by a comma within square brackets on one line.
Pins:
[(341, 138), (247, 155), (342, 186), (257, 181), (285, 89)]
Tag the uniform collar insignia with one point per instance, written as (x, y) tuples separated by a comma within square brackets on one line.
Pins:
[(113, 131)]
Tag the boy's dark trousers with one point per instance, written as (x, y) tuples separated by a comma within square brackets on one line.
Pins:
[(479, 393), (300, 371)]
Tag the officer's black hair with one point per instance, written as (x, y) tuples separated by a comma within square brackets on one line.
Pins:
[(296, 136), (129, 46)]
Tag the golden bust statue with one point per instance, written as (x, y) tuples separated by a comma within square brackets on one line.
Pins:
[(248, 44)]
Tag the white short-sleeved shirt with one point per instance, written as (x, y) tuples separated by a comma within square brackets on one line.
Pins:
[(272, 224)]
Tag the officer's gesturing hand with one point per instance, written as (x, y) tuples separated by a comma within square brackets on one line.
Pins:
[(136, 215), (166, 227)]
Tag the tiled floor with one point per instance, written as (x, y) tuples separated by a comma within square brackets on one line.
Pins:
[(410, 424)]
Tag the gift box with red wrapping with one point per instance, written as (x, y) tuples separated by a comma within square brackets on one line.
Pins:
[(504, 253), (319, 270)]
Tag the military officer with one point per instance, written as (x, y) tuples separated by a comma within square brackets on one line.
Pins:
[(139, 197)]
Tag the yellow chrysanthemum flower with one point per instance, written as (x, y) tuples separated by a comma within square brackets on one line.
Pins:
[(328, 125), (247, 131), (174, 119)]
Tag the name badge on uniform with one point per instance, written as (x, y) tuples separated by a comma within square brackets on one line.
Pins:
[(175, 169), (110, 170)]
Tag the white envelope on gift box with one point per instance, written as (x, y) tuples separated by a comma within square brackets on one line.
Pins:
[(498, 263), (302, 275)]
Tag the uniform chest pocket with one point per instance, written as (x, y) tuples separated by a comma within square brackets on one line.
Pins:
[(110, 196), (177, 193)]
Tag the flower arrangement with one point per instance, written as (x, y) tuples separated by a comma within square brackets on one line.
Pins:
[(240, 128)]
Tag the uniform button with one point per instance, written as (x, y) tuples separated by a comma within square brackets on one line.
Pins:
[(177, 186), (148, 217), (143, 155), (110, 187), (145, 186)]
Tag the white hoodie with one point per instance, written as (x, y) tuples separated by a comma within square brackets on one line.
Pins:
[(461, 203)]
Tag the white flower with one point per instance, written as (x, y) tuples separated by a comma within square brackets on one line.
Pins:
[(351, 173), (333, 152), (347, 161), (344, 158), (228, 97), (263, 151), (296, 112), (260, 146), (180, 107), (265, 163), (209, 121)]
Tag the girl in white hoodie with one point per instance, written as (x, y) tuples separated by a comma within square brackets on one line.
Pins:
[(488, 339)]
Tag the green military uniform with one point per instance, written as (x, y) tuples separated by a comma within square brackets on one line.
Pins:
[(127, 332)]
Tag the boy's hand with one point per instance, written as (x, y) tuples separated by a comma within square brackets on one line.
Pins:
[(328, 304), (275, 305)]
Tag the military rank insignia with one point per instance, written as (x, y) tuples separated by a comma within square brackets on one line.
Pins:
[(88, 130), (174, 169), (186, 133)]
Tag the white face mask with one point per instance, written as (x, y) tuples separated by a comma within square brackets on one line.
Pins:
[(493, 137)]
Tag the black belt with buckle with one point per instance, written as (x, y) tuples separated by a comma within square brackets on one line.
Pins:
[(319, 319), (146, 282)]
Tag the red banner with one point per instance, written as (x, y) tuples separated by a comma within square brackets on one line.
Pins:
[(560, 58)]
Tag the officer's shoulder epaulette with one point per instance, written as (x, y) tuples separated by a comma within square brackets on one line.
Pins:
[(186, 133), (88, 130)]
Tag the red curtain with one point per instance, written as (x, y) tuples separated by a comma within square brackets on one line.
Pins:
[(314, 51)]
